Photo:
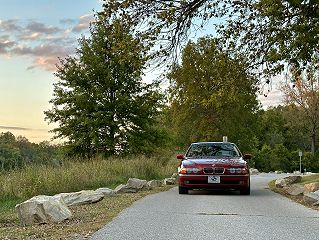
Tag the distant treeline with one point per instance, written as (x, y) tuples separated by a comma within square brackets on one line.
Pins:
[(17, 152)]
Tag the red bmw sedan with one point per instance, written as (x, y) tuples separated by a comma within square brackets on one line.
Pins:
[(214, 165)]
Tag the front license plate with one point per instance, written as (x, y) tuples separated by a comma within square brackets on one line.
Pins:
[(213, 179)]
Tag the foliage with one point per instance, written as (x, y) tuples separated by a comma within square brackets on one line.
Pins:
[(19, 152), (212, 96), (303, 98), (269, 32), (100, 102), (78, 175)]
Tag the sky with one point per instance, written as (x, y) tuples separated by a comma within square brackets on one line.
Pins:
[(33, 35)]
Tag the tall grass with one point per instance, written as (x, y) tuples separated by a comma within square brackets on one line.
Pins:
[(75, 175)]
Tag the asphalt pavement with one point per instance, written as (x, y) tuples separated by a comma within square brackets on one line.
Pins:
[(215, 215)]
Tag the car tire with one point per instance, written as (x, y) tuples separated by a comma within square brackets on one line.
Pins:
[(182, 190), (245, 191)]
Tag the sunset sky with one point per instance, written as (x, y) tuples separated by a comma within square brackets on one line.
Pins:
[(33, 34)]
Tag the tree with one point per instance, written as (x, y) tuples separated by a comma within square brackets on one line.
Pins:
[(212, 95), (100, 101), (302, 95), (270, 32), (10, 155)]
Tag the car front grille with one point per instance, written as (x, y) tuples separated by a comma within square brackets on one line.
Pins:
[(214, 170)]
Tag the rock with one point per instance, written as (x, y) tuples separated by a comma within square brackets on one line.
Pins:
[(42, 209), (284, 182), (80, 198), (311, 187), (175, 175), (169, 181), (294, 190), (253, 171), (292, 179), (278, 172), (155, 183), (136, 183), (280, 183), (311, 198), (124, 189), (105, 191)]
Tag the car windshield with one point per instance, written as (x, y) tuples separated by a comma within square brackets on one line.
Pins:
[(206, 150)]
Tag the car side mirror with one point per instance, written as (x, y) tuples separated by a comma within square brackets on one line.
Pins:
[(180, 156), (247, 156)]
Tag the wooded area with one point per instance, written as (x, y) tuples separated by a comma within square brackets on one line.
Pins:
[(103, 107)]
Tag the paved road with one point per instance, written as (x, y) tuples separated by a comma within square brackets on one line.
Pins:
[(215, 215)]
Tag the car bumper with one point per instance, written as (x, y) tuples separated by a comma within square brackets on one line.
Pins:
[(226, 181)]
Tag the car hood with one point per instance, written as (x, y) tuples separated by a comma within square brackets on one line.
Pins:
[(214, 162)]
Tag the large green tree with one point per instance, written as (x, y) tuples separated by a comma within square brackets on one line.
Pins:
[(270, 32), (212, 95), (303, 98), (100, 102)]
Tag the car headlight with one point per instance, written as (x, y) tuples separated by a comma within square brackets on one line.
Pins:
[(189, 170), (238, 170)]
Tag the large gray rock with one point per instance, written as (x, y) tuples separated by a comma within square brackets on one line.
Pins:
[(174, 175), (42, 209), (294, 190), (287, 181), (80, 198), (124, 189), (105, 191), (292, 179), (253, 171), (311, 198), (155, 183), (311, 187), (136, 183), (280, 183), (169, 181)]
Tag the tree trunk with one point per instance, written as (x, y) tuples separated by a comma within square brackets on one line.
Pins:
[(313, 143)]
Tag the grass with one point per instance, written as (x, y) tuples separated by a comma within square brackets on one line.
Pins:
[(86, 219), (299, 198), (20, 185)]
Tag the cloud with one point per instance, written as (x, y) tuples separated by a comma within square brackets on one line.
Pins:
[(40, 42), (9, 25), (84, 23), (67, 21), (5, 46), (41, 28), (14, 128)]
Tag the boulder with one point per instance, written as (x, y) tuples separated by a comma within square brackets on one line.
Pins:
[(294, 190), (105, 191), (169, 181), (136, 183), (42, 209), (311, 198), (80, 198), (284, 182), (280, 183), (253, 171), (311, 187), (278, 172), (124, 189), (292, 179), (155, 183), (174, 175)]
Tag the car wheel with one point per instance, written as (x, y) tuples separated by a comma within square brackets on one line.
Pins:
[(182, 190), (245, 191)]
